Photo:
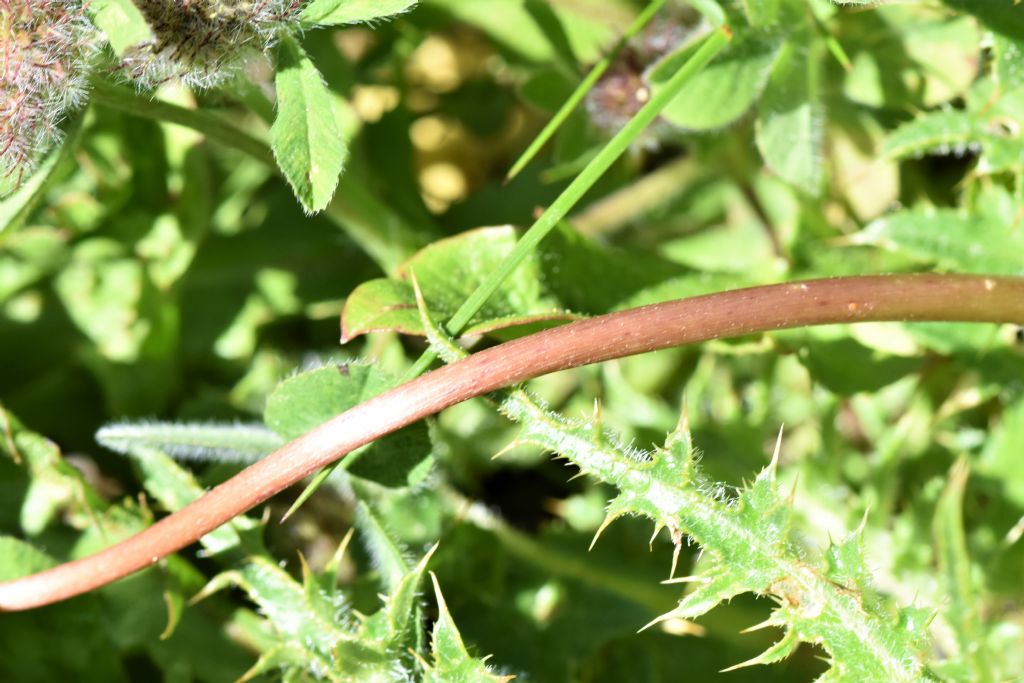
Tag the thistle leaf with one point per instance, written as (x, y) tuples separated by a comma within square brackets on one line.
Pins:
[(451, 660)]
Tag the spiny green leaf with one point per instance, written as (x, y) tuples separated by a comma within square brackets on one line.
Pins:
[(388, 558), (747, 541), (307, 142), (452, 663), (308, 637)]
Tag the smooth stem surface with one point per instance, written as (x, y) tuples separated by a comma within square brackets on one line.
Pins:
[(963, 298)]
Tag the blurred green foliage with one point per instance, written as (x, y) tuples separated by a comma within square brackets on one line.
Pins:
[(165, 282)]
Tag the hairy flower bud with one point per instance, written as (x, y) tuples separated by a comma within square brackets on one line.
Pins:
[(45, 49), (624, 90), (199, 41)]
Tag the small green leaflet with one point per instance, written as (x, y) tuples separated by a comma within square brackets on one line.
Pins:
[(306, 139)]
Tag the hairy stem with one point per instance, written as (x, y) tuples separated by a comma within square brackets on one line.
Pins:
[(922, 297)]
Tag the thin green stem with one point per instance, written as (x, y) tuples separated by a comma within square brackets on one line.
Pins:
[(582, 89), (125, 100)]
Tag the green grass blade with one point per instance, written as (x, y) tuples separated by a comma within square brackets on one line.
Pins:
[(582, 89), (608, 155)]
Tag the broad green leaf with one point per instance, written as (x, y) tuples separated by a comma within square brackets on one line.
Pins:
[(790, 130), (67, 641), (332, 12), (1003, 18), (941, 132), (726, 89), (981, 129), (1009, 53), (307, 400), (845, 366), (904, 54), (52, 486), (18, 558), (27, 256), (448, 271), (307, 141), (113, 302), (390, 305), (567, 277), (175, 487)]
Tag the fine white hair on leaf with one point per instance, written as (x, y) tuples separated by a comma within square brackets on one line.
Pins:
[(201, 441)]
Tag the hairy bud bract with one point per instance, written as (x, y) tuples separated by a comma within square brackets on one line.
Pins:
[(199, 41), (45, 50)]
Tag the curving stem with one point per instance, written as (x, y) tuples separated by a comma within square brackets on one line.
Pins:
[(923, 297)]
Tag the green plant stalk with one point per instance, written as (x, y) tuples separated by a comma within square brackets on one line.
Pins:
[(920, 297), (582, 89), (127, 101)]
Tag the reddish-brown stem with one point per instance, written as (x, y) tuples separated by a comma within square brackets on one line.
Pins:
[(727, 314)]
